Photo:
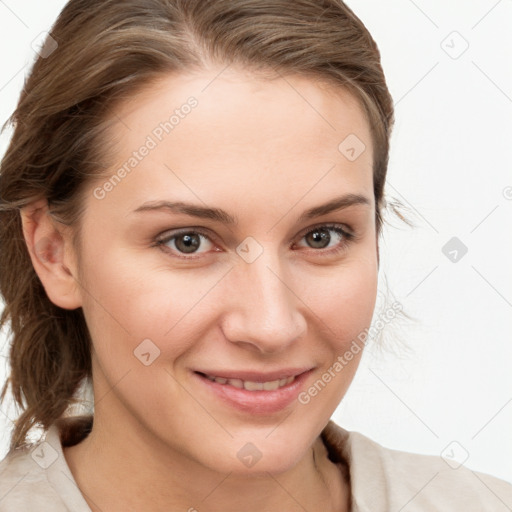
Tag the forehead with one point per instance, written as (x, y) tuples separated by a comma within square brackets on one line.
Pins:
[(227, 131)]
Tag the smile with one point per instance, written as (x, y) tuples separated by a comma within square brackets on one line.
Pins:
[(254, 392), (253, 386)]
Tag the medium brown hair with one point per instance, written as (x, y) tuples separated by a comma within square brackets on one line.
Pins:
[(107, 51)]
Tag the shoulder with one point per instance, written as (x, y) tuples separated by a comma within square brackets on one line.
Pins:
[(387, 479), (23, 481), (37, 477)]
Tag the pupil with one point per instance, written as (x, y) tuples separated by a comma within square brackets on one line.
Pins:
[(187, 243), (320, 238)]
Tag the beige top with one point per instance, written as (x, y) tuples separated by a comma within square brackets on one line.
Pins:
[(37, 478)]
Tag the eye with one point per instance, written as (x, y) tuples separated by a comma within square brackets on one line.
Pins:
[(321, 237), (186, 242), (326, 238)]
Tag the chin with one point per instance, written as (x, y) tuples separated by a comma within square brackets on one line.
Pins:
[(259, 462), (257, 452)]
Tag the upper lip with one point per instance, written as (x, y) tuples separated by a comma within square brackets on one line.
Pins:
[(253, 376)]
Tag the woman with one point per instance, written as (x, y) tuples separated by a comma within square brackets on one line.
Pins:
[(191, 206)]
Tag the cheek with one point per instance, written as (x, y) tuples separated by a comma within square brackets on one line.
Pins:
[(342, 298), (343, 304), (128, 301), (132, 302)]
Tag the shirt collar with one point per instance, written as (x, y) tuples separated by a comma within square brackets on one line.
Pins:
[(368, 477)]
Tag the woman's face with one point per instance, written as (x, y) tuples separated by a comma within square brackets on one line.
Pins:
[(221, 277)]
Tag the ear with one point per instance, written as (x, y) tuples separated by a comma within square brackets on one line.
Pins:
[(51, 254)]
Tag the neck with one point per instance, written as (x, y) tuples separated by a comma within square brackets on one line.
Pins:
[(112, 469)]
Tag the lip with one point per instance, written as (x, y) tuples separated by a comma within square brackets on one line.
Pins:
[(255, 402)]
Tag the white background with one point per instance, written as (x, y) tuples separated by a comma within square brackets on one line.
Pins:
[(450, 165)]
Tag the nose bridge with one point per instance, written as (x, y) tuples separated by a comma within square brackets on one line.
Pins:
[(265, 311)]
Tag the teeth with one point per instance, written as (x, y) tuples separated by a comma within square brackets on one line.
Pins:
[(253, 386), (270, 386), (236, 383)]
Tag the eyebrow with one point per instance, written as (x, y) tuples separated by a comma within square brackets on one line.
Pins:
[(219, 215)]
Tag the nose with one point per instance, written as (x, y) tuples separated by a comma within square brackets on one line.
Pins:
[(263, 311)]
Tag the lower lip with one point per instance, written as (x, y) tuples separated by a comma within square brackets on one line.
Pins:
[(256, 402)]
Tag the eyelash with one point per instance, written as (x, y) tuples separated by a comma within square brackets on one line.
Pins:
[(348, 238)]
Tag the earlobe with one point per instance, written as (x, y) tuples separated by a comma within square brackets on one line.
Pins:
[(48, 248)]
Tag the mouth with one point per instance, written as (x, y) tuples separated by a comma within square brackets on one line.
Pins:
[(248, 385), (252, 392)]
